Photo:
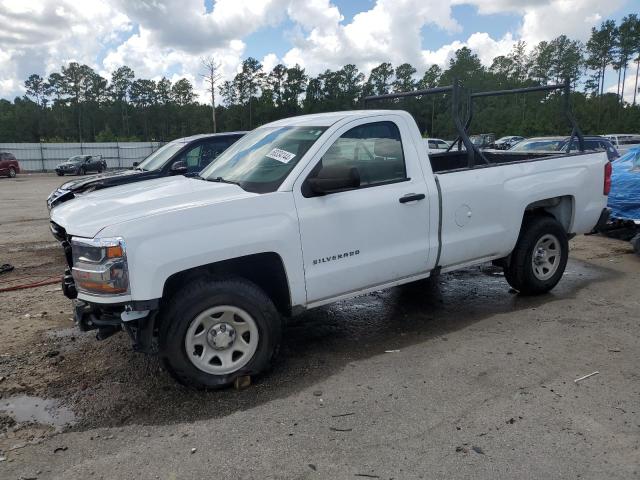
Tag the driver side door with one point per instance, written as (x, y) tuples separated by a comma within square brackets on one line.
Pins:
[(369, 235)]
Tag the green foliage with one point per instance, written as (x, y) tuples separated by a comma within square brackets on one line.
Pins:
[(78, 104)]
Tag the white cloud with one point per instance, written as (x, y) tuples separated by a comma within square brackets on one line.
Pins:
[(168, 37), (40, 36)]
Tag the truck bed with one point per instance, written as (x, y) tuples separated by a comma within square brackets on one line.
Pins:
[(458, 160)]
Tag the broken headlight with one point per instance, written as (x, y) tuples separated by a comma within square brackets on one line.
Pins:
[(100, 266)]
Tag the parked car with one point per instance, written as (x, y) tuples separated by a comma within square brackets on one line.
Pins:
[(483, 140), (303, 212), (81, 165), (623, 142), (505, 143), (435, 144), (183, 156), (538, 144), (9, 166), (594, 143), (551, 145)]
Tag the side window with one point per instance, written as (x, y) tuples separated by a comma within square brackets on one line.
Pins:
[(433, 144), (192, 159), (375, 149), (442, 145), (212, 149)]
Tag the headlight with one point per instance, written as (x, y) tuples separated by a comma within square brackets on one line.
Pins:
[(100, 266)]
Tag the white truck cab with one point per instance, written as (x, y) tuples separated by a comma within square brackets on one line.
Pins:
[(303, 212)]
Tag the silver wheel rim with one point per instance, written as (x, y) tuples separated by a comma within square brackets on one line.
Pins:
[(221, 340), (12, 173), (546, 257)]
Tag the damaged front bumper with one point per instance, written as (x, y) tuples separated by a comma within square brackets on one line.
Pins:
[(138, 319)]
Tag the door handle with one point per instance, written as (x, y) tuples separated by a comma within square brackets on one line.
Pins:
[(412, 197)]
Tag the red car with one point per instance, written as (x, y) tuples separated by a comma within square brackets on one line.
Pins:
[(9, 166)]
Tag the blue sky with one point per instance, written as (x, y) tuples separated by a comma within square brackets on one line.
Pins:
[(169, 37)]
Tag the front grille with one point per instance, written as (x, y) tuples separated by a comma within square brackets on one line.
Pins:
[(60, 234)]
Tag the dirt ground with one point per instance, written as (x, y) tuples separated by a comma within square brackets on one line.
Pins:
[(460, 378)]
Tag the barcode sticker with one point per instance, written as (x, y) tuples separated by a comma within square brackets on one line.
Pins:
[(280, 155)]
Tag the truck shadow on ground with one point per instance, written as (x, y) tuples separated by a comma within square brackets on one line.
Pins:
[(134, 389)]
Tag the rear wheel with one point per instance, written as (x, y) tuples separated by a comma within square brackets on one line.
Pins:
[(12, 172), (539, 259), (215, 330)]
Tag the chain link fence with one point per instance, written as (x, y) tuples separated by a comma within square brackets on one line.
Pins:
[(43, 157)]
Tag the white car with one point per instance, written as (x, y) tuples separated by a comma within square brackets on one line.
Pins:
[(623, 141), (303, 212), (435, 144)]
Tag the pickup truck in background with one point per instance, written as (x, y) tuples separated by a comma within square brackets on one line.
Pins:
[(303, 212), (182, 156)]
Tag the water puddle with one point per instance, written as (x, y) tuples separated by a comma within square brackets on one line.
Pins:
[(25, 409)]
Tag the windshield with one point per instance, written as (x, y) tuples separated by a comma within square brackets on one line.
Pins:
[(260, 161), (75, 159), (536, 145), (158, 158)]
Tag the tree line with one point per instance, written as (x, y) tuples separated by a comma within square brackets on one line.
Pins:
[(78, 104)]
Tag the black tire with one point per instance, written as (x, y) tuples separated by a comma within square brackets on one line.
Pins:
[(519, 270), (60, 174), (199, 295), (12, 172), (82, 171)]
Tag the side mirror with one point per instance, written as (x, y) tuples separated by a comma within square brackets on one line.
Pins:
[(334, 179), (179, 168), (135, 164)]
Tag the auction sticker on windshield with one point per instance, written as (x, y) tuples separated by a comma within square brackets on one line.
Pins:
[(280, 155)]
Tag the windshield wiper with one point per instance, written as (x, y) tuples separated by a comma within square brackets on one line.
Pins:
[(221, 180)]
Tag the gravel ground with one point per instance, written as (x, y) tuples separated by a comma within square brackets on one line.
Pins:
[(453, 378)]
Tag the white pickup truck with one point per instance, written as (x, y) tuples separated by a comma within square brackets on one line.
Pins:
[(303, 212)]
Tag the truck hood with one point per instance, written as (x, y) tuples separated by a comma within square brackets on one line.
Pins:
[(108, 179), (85, 216)]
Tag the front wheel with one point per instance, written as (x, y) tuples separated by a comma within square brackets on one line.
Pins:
[(60, 174), (82, 171), (540, 257), (12, 172), (215, 330)]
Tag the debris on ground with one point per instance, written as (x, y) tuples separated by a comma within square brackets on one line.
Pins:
[(584, 377), (6, 267), (478, 450), (60, 449), (194, 450), (242, 382), (391, 351)]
